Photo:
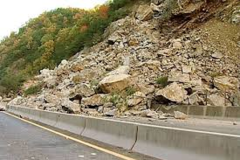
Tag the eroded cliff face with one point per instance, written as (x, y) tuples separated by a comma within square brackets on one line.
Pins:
[(190, 56)]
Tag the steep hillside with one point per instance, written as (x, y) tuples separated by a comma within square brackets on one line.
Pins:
[(53, 36), (165, 52)]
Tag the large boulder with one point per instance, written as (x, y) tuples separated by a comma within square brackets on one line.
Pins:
[(115, 83), (173, 92), (216, 100), (225, 83)]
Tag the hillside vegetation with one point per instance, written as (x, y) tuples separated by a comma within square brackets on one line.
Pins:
[(53, 36)]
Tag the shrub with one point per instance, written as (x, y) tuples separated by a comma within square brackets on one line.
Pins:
[(33, 90), (12, 82), (115, 99), (163, 81), (130, 91)]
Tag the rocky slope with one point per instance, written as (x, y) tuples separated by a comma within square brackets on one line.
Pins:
[(190, 57)]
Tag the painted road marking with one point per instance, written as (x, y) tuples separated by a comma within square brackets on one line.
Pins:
[(73, 139)]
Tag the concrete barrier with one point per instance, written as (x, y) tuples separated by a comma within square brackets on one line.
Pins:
[(120, 134), (157, 141), (14, 110), (24, 112), (172, 143), (71, 123), (49, 118), (34, 114)]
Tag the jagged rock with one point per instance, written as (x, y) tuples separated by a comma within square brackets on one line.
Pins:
[(90, 111), (70, 106), (165, 52), (179, 77), (134, 101), (216, 100), (156, 2), (49, 106), (236, 15), (17, 101), (180, 115), (51, 98), (236, 99), (111, 113), (146, 89), (120, 70), (94, 101), (225, 83), (108, 105), (217, 55), (115, 83), (186, 69), (114, 38), (152, 65), (45, 73), (144, 13), (149, 113), (173, 92), (195, 99), (177, 45), (83, 90), (51, 81), (77, 67)]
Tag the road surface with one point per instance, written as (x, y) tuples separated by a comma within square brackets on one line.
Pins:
[(23, 141)]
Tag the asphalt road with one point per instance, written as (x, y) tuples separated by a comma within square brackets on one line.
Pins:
[(23, 141)]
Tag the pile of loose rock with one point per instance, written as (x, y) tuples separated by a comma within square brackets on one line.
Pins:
[(137, 66)]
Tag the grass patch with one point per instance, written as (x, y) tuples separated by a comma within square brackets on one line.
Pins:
[(130, 91), (163, 81), (33, 90)]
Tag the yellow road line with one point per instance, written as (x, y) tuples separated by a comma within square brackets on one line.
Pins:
[(74, 139)]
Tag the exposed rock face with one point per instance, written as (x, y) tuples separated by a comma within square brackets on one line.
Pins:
[(144, 13), (174, 93), (115, 83), (225, 83)]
